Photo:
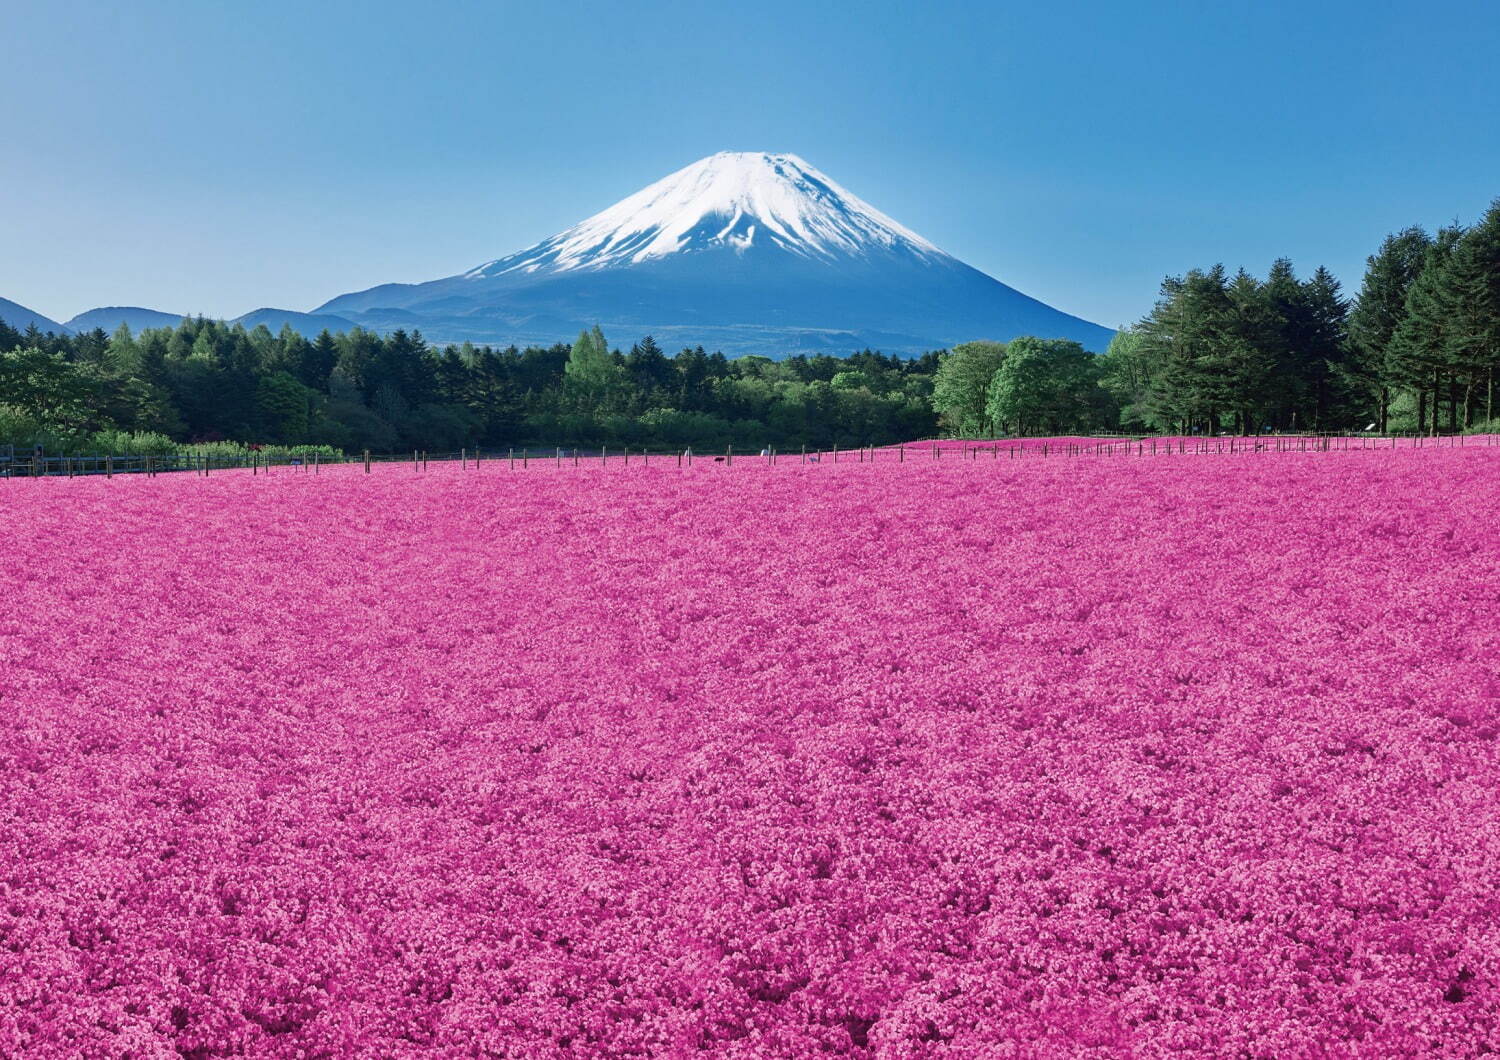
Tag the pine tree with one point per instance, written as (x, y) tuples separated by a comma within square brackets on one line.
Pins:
[(1326, 338), (1288, 347), (1417, 355), (318, 360), (123, 355), (1192, 336), (1471, 293), (1379, 311)]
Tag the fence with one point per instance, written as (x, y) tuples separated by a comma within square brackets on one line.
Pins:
[(37, 465)]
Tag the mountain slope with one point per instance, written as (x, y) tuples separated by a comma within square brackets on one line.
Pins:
[(747, 252), (111, 317), (307, 325), (21, 318)]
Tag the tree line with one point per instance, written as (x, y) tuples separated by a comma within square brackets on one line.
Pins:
[(1415, 350), (206, 380)]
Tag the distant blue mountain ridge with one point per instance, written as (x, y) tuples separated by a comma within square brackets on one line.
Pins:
[(110, 318), (21, 318)]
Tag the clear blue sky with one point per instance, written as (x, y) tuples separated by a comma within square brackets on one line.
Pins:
[(217, 157)]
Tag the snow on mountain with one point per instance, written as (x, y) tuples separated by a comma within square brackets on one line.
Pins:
[(728, 200), (746, 252)]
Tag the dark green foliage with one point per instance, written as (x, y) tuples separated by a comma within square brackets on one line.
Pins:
[(206, 380), (1471, 294), (1220, 353), (1418, 355), (1378, 312)]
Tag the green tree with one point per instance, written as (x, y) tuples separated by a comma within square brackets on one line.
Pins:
[(1185, 338), (1044, 386), (960, 390), (591, 371), (1418, 353), (48, 389), (1471, 292), (1378, 312), (284, 407), (1126, 373)]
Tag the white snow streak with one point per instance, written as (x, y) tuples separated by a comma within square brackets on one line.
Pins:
[(722, 201)]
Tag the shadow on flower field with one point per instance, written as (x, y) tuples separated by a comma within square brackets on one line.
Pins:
[(943, 757)]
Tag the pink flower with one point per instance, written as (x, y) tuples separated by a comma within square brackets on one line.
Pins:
[(1065, 755)]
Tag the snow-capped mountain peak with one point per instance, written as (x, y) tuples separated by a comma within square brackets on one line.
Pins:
[(738, 201), (743, 252)]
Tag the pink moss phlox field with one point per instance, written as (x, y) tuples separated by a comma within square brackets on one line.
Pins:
[(1046, 757), (1061, 445)]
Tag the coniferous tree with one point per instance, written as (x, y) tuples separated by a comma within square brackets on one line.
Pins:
[(317, 362), (1379, 311), (1326, 338), (1417, 356), (1471, 294)]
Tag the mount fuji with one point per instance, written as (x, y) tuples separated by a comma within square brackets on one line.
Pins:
[(745, 252)]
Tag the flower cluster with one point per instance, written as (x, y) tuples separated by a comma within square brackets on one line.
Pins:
[(996, 757)]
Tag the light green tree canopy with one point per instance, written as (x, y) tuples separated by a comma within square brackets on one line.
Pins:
[(590, 368), (961, 388), (1044, 385)]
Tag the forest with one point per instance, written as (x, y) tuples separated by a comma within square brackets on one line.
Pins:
[(1414, 351), (206, 381)]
